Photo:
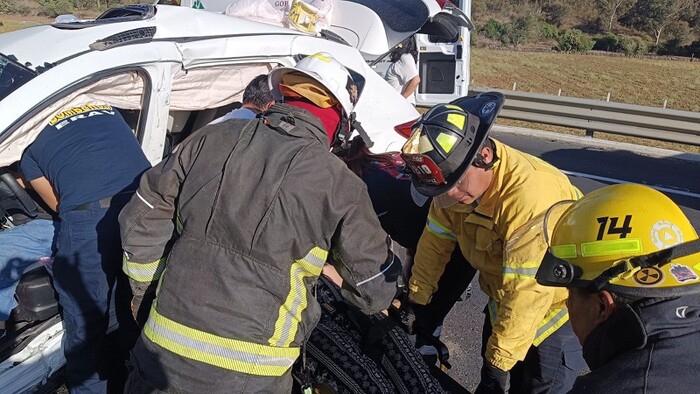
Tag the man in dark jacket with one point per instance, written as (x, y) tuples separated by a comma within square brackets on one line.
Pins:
[(629, 257), (256, 207)]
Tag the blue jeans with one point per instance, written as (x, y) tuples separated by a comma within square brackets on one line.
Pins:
[(85, 269), (20, 247)]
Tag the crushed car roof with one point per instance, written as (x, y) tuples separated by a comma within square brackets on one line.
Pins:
[(170, 22)]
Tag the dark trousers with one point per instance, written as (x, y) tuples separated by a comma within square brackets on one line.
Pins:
[(136, 385), (452, 284), (85, 268), (551, 367)]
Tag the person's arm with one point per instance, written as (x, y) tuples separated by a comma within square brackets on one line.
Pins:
[(148, 221), (361, 253), (47, 193), (411, 86), (524, 304), (433, 252), (409, 73), (33, 174)]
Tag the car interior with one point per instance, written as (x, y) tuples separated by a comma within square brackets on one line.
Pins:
[(197, 97)]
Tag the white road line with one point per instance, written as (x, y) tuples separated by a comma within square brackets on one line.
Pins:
[(613, 180)]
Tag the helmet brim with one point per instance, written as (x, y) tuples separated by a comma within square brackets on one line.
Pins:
[(486, 106), (274, 79)]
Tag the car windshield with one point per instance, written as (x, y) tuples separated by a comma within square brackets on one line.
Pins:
[(12, 75)]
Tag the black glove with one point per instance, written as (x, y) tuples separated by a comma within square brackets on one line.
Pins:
[(493, 380), (408, 316)]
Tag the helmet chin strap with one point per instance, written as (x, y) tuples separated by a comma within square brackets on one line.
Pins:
[(344, 131), (658, 258)]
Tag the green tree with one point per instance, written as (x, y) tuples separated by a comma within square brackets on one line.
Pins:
[(575, 40), (522, 30), (654, 16), (610, 10)]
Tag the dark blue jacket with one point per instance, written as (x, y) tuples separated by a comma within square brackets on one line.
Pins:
[(652, 346)]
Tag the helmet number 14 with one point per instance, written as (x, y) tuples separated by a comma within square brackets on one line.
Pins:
[(612, 228)]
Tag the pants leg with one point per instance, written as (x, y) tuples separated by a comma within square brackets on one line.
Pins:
[(20, 247), (453, 282), (84, 270), (136, 385), (551, 367)]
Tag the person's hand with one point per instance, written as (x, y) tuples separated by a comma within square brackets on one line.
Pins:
[(408, 316), (493, 380)]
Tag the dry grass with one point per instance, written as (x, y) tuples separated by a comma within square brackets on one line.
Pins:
[(628, 80), (12, 22)]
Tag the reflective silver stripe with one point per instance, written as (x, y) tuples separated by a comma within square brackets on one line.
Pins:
[(393, 258), (144, 200), (144, 272), (240, 356), (526, 272), (550, 324), (439, 230)]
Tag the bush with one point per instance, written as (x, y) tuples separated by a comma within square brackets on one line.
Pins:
[(609, 43), (633, 46), (548, 31), (493, 29), (54, 8), (575, 41), (523, 29), (14, 7)]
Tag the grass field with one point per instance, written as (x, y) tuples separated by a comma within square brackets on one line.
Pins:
[(628, 80), (14, 22)]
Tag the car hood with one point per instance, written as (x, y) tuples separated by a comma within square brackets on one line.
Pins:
[(71, 39)]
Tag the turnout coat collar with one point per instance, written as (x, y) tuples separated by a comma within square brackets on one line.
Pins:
[(284, 118)]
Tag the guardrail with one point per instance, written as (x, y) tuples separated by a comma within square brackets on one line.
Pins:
[(594, 115)]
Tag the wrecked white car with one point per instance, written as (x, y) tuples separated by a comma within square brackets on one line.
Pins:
[(168, 70)]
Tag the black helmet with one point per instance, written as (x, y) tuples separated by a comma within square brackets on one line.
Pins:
[(446, 140)]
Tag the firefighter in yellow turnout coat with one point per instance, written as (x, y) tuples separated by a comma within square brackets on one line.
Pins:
[(484, 191)]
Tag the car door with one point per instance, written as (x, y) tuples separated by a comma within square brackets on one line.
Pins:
[(443, 55), (441, 29)]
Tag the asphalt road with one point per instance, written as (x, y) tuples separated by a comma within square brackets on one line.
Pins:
[(590, 164)]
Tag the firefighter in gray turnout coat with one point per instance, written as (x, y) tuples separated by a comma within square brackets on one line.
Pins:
[(235, 227)]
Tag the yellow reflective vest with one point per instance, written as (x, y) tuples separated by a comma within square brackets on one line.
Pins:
[(522, 312)]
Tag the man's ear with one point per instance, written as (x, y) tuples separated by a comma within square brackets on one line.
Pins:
[(487, 154), (606, 305)]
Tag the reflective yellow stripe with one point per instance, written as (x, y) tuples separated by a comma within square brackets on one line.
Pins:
[(240, 356), (611, 247), (148, 272), (567, 251), (551, 323), (290, 312), (439, 230), (525, 270)]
